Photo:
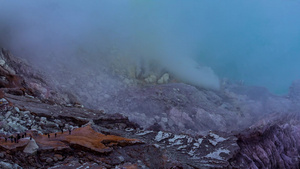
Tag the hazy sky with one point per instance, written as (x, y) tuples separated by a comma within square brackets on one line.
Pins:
[(255, 41)]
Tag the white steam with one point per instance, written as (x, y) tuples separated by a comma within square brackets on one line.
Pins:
[(94, 33)]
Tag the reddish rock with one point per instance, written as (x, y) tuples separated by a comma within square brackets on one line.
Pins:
[(85, 138), (14, 146), (92, 140), (59, 157), (129, 166)]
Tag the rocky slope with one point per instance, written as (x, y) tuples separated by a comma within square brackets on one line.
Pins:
[(159, 126)]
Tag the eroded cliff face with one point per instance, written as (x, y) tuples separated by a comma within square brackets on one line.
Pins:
[(171, 125), (274, 144)]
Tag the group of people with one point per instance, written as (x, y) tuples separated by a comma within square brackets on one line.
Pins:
[(15, 139)]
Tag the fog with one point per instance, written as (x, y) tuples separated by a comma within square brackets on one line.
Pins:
[(197, 42)]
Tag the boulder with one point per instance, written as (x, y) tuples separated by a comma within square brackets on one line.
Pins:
[(31, 147)]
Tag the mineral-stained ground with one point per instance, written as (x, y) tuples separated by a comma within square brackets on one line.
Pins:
[(171, 125)]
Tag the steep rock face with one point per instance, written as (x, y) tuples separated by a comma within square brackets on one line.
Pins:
[(274, 144), (20, 79)]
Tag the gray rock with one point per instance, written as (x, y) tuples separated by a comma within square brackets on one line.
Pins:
[(49, 160), (17, 109), (5, 165), (31, 147), (5, 126), (59, 157), (24, 114), (121, 158), (2, 155), (7, 114), (50, 124), (16, 166), (16, 127), (164, 119), (3, 101), (55, 159), (2, 62), (43, 119)]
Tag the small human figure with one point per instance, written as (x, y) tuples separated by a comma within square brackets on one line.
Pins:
[(22, 135), (48, 135), (69, 131), (25, 134), (15, 139), (11, 139), (30, 137), (18, 137), (55, 134), (5, 139)]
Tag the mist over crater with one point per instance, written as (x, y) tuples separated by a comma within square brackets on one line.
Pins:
[(198, 43)]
